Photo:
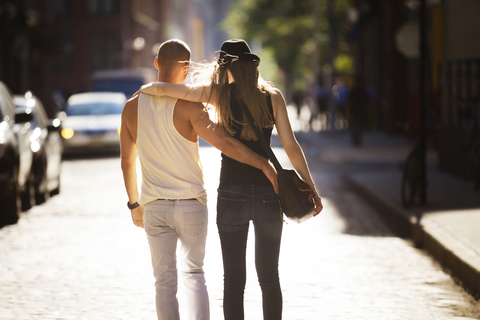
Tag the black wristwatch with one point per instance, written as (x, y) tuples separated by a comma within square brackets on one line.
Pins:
[(133, 205)]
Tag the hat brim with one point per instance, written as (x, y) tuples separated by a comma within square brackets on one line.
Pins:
[(249, 56), (226, 58)]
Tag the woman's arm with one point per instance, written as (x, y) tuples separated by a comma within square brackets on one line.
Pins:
[(179, 91), (291, 146)]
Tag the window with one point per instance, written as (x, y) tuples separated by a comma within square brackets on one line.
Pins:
[(62, 63), (101, 6), (60, 6), (104, 52)]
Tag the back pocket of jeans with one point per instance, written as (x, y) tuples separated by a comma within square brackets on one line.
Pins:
[(195, 222), (271, 209), (230, 212)]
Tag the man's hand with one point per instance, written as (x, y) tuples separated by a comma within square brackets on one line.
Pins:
[(271, 174), (137, 216)]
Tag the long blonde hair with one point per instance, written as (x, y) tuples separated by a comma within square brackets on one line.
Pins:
[(252, 89)]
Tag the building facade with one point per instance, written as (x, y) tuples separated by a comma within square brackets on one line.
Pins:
[(386, 53), (53, 47), (458, 88)]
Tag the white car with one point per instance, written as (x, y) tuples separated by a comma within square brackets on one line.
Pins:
[(92, 122)]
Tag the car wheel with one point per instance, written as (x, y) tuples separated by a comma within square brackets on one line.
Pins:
[(41, 190), (56, 191), (41, 196), (11, 202), (28, 194)]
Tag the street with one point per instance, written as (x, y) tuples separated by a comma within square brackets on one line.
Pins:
[(79, 256), (383, 97)]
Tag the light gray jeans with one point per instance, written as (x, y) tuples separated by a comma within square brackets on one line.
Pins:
[(166, 222)]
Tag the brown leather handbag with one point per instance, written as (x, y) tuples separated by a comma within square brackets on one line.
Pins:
[(296, 197)]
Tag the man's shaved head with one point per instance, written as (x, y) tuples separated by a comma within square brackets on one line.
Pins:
[(173, 51)]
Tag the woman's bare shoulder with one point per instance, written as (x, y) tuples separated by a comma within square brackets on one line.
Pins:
[(277, 97)]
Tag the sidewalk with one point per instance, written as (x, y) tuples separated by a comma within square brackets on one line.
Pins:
[(448, 227)]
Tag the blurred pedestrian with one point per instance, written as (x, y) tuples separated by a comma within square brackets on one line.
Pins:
[(321, 95), (244, 193), (358, 100), (172, 205), (298, 99), (340, 93)]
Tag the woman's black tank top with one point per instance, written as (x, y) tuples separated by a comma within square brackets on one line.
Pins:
[(234, 173)]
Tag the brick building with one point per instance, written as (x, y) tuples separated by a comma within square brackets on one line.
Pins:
[(54, 46)]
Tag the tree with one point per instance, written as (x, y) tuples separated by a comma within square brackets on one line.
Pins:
[(286, 26)]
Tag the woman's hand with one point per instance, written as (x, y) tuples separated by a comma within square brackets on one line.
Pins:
[(318, 203)]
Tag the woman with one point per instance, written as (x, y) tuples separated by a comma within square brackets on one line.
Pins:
[(244, 192)]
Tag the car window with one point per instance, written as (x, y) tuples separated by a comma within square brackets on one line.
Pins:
[(23, 109), (6, 106), (41, 114), (98, 109)]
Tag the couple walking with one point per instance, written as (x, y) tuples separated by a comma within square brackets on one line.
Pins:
[(161, 124)]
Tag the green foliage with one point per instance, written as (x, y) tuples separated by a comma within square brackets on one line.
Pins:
[(268, 68), (343, 64), (286, 28)]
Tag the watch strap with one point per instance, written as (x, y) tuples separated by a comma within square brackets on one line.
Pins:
[(133, 205)]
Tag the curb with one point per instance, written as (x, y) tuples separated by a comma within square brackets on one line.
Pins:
[(462, 263)]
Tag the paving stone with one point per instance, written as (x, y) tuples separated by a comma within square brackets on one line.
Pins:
[(79, 256)]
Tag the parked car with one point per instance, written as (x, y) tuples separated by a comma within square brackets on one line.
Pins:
[(46, 145), (15, 158), (92, 122)]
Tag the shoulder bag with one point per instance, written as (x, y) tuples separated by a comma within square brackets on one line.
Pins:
[(296, 197)]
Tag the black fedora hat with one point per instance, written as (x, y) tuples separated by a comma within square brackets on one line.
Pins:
[(236, 49)]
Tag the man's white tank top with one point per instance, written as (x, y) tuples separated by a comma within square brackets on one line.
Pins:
[(171, 167)]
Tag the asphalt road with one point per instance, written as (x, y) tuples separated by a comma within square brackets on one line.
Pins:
[(79, 256)]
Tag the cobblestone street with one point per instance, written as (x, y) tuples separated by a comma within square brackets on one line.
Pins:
[(79, 256)]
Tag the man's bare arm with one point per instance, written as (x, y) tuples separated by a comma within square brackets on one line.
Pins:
[(128, 151), (233, 148)]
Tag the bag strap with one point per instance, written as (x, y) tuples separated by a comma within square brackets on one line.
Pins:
[(258, 132)]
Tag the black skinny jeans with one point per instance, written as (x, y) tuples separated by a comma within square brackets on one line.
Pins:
[(236, 206)]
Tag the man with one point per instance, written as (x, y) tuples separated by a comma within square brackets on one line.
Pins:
[(358, 100), (172, 204)]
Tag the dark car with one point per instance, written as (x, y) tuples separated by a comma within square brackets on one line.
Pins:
[(15, 158), (124, 80), (46, 145)]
